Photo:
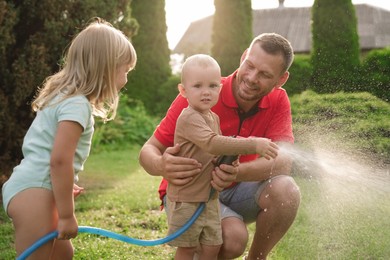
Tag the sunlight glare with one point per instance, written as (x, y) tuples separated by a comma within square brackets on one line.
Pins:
[(180, 14)]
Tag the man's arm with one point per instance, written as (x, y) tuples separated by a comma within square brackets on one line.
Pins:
[(262, 169), (159, 160)]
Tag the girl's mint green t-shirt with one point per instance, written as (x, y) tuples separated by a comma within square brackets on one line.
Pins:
[(34, 169)]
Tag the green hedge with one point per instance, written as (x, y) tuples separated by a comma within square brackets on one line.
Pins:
[(132, 125), (375, 73), (355, 122), (300, 73)]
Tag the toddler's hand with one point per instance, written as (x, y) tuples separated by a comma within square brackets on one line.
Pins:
[(77, 190), (266, 148)]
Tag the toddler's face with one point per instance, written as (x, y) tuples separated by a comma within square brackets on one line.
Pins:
[(202, 86)]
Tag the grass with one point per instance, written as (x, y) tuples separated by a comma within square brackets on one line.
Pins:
[(335, 220), (121, 198)]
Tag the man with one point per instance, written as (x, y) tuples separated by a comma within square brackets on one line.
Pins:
[(251, 103)]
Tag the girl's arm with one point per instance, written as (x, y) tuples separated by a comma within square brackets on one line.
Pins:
[(62, 176)]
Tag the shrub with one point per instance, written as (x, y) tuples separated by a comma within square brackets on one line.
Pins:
[(376, 73), (166, 93), (300, 73), (335, 47), (132, 125), (356, 122)]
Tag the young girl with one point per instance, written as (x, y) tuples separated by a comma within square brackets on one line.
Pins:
[(39, 196)]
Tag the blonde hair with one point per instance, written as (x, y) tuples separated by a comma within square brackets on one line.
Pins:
[(89, 69), (202, 60)]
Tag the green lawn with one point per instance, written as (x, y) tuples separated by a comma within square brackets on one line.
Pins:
[(340, 217)]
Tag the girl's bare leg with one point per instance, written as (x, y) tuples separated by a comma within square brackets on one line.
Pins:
[(34, 215)]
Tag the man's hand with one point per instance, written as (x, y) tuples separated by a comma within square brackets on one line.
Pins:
[(178, 170)]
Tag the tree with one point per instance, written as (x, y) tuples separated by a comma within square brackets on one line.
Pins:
[(232, 32), (335, 51), (33, 37), (153, 53)]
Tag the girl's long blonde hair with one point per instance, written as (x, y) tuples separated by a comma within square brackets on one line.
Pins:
[(89, 69)]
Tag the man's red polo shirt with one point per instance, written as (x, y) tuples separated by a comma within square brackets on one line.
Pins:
[(272, 119)]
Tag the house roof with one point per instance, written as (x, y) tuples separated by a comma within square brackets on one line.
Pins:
[(294, 24)]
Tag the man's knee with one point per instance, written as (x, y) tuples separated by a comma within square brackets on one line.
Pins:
[(291, 191), (283, 191)]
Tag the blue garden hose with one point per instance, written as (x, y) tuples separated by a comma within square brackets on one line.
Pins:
[(110, 234)]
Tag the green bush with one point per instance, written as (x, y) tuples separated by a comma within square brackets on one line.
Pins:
[(376, 73), (132, 125), (335, 46), (300, 74), (166, 93), (356, 122)]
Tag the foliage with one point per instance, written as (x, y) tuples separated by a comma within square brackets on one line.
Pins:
[(335, 50), (167, 93), (375, 73), (34, 35), (373, 76), (300, 73), (359, 120), (152, 68), (232, 32), (131, 126)]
